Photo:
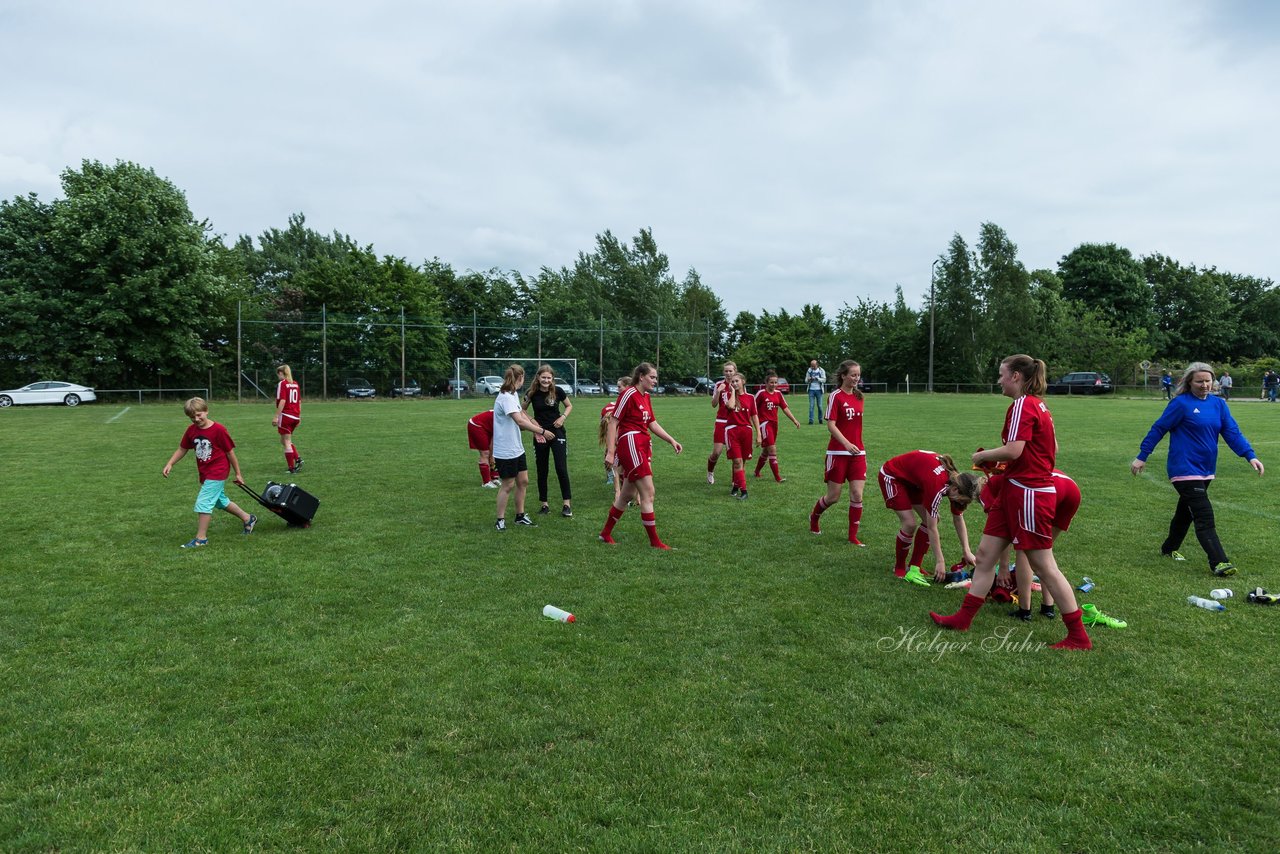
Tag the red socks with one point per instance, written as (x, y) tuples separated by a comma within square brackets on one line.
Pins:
[(651, 528), (921, 546), (817, 511), (1077, 637), (901, 546), (740, 479), (614, 515), (962, 619), (855, 517), (485, 474), (773, 466), (759, 464)]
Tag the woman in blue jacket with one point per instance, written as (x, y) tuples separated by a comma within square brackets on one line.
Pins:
[(1194, 420)]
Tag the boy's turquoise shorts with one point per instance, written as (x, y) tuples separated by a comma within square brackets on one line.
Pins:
[(213, 494)]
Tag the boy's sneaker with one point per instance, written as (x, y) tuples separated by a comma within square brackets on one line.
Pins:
[(915, 576), (1091, 616), (195, 543), (248, 526), (1174, 555), (500, 525), (523, 519), (1224, 569)]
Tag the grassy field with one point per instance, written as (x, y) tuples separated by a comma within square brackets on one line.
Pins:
[(384, 680)]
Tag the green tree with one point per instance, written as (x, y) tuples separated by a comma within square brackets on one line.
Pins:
[(1194, 315), (1108, 278), (118, 259), (959, 356), (1009, 325)]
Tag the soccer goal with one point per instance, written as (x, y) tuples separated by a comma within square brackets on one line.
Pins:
[(483, 375)]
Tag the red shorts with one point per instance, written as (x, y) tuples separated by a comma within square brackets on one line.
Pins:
[(738, 438), (770, 431), (477, 438), (845, 467), (717, 432), (288, 424), (1024, 516), (897, 494), (990, 494), (634, 454), (1068, 502)]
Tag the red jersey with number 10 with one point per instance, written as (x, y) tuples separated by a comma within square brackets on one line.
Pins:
[(844, 409), (633, 411), (1028, 420), (292, 397)]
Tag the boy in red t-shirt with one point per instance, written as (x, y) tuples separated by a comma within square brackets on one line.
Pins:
[(215, 457)]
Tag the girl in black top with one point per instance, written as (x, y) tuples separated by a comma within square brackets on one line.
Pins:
[(546, 398)]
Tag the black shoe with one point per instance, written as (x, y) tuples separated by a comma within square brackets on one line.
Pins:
[(544, 510), (1048, 612), (742, 496), (1023, 614), (734, 492), (566, 512), (297, 467), (500, 525), (523, 519)]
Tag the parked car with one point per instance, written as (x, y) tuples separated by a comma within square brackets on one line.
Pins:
[(410, 390), (489, 385), (611, 388), (563, 386), (454, 387), (1082, 382), (48, 391), (700, 385), (677, 388), (588, 387), (359, 387)]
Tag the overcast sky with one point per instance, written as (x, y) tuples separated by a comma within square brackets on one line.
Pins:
[(792, 152)]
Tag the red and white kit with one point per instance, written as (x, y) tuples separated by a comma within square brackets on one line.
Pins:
[(738, 432), (1025, 507), (634, 450), (844, 409), (916, 478)]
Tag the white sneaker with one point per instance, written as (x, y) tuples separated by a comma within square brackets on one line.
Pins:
[(493, 484), (711, 477)]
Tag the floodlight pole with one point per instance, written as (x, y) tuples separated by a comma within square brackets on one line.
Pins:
[(933, 275)]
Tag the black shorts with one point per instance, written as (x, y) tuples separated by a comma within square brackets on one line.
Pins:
[(508, 469)]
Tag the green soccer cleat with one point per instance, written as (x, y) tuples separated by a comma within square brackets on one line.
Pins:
[(1174, 555), (1224, 569), (915, 576), (1091, 616)]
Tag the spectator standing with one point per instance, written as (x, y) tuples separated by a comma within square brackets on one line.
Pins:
[(816, 378), (1166, 383), (1224, 384)]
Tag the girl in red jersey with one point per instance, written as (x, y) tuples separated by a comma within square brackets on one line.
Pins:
[(742, 431), (612, 474), (480, 438), (288, 415), (722, 420), (846, 456), (629, 445), (1023, 512), (768, 401), (913, 486), (1068, 502)]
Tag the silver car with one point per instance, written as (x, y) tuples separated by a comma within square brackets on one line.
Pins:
[(49, 391)]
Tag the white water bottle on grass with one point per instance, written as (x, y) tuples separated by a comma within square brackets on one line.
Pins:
[(1207, 604), (556, 614), (1221, 593)]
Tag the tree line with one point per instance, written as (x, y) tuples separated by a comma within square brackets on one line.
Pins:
[(118, 284)]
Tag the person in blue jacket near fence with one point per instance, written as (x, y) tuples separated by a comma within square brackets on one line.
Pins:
[(1194, 420)]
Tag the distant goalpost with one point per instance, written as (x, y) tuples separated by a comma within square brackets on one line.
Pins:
[(471, 368)]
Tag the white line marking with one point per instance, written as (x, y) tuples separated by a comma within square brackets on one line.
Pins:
[(117, 415)]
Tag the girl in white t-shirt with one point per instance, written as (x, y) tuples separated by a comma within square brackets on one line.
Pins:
[(508, 449)]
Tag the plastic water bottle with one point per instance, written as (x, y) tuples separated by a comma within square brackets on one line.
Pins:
[(1221, 593), (556, 614), (1086, 584), (1207, 604)]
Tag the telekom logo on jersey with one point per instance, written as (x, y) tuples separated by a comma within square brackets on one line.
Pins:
[(850, 412)]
